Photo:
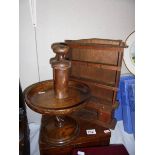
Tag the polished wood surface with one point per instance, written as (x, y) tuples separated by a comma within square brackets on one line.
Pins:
[(99, 73), (60, 130), (103, 119), (82, 140), (58, 97), (60, 70), (81, 96), (113, 149), (97, 63), (41, 98)]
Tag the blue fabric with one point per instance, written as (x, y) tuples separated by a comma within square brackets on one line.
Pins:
[(126, 98)]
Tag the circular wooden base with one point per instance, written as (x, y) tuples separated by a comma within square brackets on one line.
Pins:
[(60, 130)]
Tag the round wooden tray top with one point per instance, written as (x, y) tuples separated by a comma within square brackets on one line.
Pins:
[(41, 98)]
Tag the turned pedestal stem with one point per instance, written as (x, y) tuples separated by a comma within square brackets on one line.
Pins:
[(60, 70), (60, 75)]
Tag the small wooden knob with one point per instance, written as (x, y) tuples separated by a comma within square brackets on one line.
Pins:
[(61, 49)]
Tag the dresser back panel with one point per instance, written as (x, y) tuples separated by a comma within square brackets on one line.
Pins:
[(97, 62)]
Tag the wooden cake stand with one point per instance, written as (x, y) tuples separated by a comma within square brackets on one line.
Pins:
[(58, 98)]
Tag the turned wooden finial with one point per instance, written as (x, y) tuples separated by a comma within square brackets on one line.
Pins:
[(61, 49)]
